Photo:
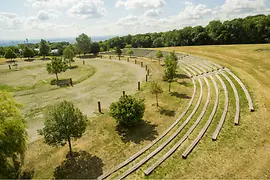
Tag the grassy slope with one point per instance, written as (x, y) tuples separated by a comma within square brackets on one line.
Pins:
[(102, 139), (240, 152)]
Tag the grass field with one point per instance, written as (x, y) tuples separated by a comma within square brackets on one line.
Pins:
[(240, 152)]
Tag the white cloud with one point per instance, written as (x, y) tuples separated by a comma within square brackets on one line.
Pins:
[(88, 9), (10, 21), (129, 21), (130, 4), (51, 4), (193, 12), (153, 12), (46, 15)]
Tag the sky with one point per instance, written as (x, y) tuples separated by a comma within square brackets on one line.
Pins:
[(36, 19)]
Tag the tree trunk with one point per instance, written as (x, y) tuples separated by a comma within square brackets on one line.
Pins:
[(56, 77), (170, 86), (157, 99), (69, 144), (69, 63)]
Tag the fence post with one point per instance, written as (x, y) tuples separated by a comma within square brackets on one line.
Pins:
[(99, 107), (135, 61), (70, 81), (146, 67), (148, 72), (124, 93), (146, 78), (9, 66), (139, 86), (141, 64), (83, 62)]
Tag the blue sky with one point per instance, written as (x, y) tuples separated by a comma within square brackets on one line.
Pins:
[(35, 19)]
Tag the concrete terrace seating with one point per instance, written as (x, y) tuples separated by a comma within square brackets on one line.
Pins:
[(197, 69), (180, 142), (164, 144), (107, 174)]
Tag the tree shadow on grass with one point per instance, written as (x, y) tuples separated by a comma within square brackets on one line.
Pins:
[(72, 67), (29, 60), (61, 82), (81, 166), (143, 131), (183, 83), (182, 76), (179, 95), (167, 112)]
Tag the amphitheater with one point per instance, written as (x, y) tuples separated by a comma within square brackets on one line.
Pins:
[(206, 76)]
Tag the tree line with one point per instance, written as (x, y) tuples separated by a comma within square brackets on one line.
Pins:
[(249, 30)]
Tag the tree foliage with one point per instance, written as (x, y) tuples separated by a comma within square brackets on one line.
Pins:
[(170, 68), (118, 51), (63, 122), (10, 54), (130, 52), (95, 48), (57, 66), (28, 52), (159, 55), (252, 29), (156, 89), (44, 48), (13, 137), (128, 111), (84, 43), (69, 54)]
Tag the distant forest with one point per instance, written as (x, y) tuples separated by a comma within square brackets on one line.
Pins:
[(249, 30)]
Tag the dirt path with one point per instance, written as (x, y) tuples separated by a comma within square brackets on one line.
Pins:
[(106, 85)]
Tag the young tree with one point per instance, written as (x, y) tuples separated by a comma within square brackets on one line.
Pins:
[(159, 55), (63, 122), (84, 43), (28, 52), (10, 54), (44, 48), (118, 51), (130, 52), (95, 49), (128, 111), (57, 66), (13, 137), (156, 89), (170, 69), (69, 55)]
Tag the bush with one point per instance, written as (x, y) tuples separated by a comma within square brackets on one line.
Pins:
[(128, 111)]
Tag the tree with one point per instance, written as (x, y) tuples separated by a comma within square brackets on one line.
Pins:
[(130, 52), (57, 66), (156, 89), (95, 49), (84, 43), (118, 51), (28, 52), (128, 111), (10, 54), (69, 55), (44, 48), (13, 137), (159, 55), (170, 68), (63, 122), (159, 42)]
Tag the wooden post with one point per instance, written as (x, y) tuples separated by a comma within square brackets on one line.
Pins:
[(139, 86), (124, 93), (146, 78), (141, 64), (148, 72), (146, 67), (70, 81), (99, 107), (83, 62), (9, 66), (100, 56), (127, 59), (110, 57), (135, 61)]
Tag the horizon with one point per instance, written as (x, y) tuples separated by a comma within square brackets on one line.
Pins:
[(50, 19)]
